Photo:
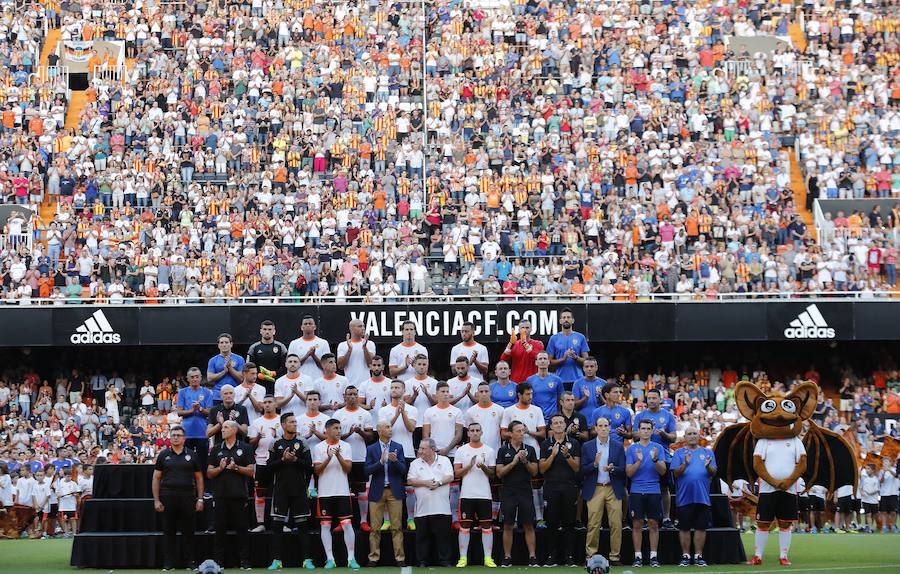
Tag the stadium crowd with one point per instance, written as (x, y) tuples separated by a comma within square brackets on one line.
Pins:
[(308, 149), (533, 395)]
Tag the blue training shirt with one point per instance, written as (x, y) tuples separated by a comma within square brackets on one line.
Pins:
[(692, 487), (593, 389), (617, 416), (503, 395), (646, 479), (546, 393), (217, 365), (568, 371), (195, 424), (661, 420)]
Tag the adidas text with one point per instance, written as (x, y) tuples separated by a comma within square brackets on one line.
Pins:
[(809, 333), (95, 338)]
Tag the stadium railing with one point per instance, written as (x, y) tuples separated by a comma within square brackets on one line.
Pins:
[(617, 298)]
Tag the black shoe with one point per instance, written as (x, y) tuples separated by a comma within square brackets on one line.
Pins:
[(506, 562), (638, 563), (615, 562), (371, 564), (685, 560), (423, 565), (699, 561), (192, 566), (533, 561), (401, 564), (550, 563), (654, 562), (246, 567), (580, 527)]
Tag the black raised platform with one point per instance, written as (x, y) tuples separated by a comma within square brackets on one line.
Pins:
[(120, 529), (144, 549)]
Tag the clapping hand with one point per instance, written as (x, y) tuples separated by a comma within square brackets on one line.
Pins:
[(220, 418), (620, 430), (653, 454), (289, 455), (384, 456), (639, 455), (687, 458), (392, 456)]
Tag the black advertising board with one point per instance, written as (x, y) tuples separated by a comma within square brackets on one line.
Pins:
[(810, 321), (777, 320)]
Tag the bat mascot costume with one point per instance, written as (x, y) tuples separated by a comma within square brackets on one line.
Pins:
[(768, 451)]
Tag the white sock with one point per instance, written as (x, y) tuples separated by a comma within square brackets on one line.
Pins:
[(784, 541), (325, 530), (762, 536), (537, 495), (487, 542), (463, 542), (349, 539), (363, 500), (637, 556), (410, 503), (652, 554), (454, 502)]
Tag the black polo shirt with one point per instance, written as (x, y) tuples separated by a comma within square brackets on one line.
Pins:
[(230, 484), (560, 473), (290, 477), (236, 412), (177, 470), (518, 478), (576, 416)]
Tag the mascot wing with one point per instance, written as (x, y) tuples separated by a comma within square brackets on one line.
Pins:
[(734, 453), (830, 460)]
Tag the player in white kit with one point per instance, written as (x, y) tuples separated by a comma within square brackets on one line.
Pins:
[(402, 354), (475, 466), (402, 417), (356, 430), (309, 348), (354, 356), (291, 388)]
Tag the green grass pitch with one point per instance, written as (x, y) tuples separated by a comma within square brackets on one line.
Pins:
[(829, 553)]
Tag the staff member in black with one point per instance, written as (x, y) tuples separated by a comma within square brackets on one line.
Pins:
[(290, 465), (232, 465), (268, 353), (517, 464), (227, 410), (560, 462), (178, 493)]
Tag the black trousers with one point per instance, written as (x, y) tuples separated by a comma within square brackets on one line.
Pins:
[(279, 535), (231, 514), (560, 518), (436, 526), (179, 515)]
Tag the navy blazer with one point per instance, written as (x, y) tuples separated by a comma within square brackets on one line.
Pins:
[(396, 471), (589, 471)]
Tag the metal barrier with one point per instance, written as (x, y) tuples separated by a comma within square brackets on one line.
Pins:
[(737, 67), (108, 73), (616, 299), (13, 242)]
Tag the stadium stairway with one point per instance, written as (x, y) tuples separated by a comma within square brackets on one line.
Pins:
[(49, 45), (798, 188)]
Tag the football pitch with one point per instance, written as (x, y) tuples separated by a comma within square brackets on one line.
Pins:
[(837, 553)]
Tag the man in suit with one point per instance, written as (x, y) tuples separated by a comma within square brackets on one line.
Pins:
[(386, 465), (603, 487)]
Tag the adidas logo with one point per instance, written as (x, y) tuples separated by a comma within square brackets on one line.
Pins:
[(810, 324), (95, 330)]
